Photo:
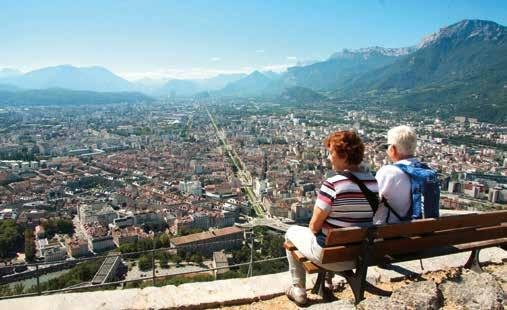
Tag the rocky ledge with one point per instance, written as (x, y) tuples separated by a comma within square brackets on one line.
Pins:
[(469, 290)]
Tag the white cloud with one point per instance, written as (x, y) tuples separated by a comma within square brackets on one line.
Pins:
[(292, 58), (215, 58), (259, 51), (180, 73), (199, 72), (276, 68)]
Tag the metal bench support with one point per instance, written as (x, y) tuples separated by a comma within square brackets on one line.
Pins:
[(357, 280), (473, 262), (320, 287)]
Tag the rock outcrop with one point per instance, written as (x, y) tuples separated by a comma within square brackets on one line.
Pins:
[(417, 295), (473, 291)]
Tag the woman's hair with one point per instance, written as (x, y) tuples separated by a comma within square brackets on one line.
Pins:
[(346, 144)]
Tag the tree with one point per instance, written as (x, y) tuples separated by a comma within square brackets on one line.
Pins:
[(58, 226), (29, 246), (164, 262), (164, 241), (196, 258), (11, 239), (128, 248), (145, 263), (65, 226), (176, 259)]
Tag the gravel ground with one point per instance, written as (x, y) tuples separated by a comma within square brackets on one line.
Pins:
[(282, 302)]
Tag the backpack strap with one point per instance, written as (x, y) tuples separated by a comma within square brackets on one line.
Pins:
[(405, 168), (391, 209), (370, 196)]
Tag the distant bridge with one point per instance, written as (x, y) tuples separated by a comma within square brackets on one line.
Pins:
[(266, 222), (107, 270)]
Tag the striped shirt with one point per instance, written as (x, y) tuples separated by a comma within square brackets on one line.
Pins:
[(346, 204)]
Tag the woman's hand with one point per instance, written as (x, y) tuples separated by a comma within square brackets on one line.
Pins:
[(318, 218)]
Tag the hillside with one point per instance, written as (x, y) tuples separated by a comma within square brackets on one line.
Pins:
[(342, 67), (254, 84), (298, 94), (460, 69)]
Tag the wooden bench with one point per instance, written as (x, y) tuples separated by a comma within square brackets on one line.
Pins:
[(386, 244)]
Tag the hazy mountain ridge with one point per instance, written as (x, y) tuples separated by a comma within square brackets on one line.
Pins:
[(330, 74), (180, 87), (8, 72), (256, 83), (70, 77), (58, 96)]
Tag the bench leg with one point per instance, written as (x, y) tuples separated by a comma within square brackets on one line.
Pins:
[(358, 285), (320, 287), (473, 262), (370, 288)]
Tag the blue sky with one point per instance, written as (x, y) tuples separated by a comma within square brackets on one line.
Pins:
[(194, 39)]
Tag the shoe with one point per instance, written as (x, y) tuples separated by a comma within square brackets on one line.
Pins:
[(297, 294), (328, 283)]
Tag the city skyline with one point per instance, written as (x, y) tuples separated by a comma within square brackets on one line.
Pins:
[(193, 40)]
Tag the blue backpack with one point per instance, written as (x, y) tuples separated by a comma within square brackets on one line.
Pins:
[(425, 191)]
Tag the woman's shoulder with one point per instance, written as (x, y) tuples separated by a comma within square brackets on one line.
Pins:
[(364, 176), (336, 179), (339, 178)]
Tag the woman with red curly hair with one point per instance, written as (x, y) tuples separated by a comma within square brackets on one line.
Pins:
[(340, 203)]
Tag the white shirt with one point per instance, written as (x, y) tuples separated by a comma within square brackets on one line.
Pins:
[(394, 185)]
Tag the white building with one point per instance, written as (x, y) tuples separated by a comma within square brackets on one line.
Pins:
[(191, 187), (54, 253), (101, 243), (260, 186)]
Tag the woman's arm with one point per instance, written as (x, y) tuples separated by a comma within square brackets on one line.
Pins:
[(322, 206), (318, 218)]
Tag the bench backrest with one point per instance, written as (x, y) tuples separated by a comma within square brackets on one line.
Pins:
[(345, 243)]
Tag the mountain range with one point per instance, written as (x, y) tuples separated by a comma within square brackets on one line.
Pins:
[(70, 77), (191, 87), (66, 97), (460, 69)]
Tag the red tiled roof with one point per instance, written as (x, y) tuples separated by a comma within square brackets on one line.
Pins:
[(206, 235)]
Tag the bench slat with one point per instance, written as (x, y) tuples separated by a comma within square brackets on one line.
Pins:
[(443, 223), (440, 251), (298, 256), (310, 267), (289, 246), (415, 243), (348, 235)]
